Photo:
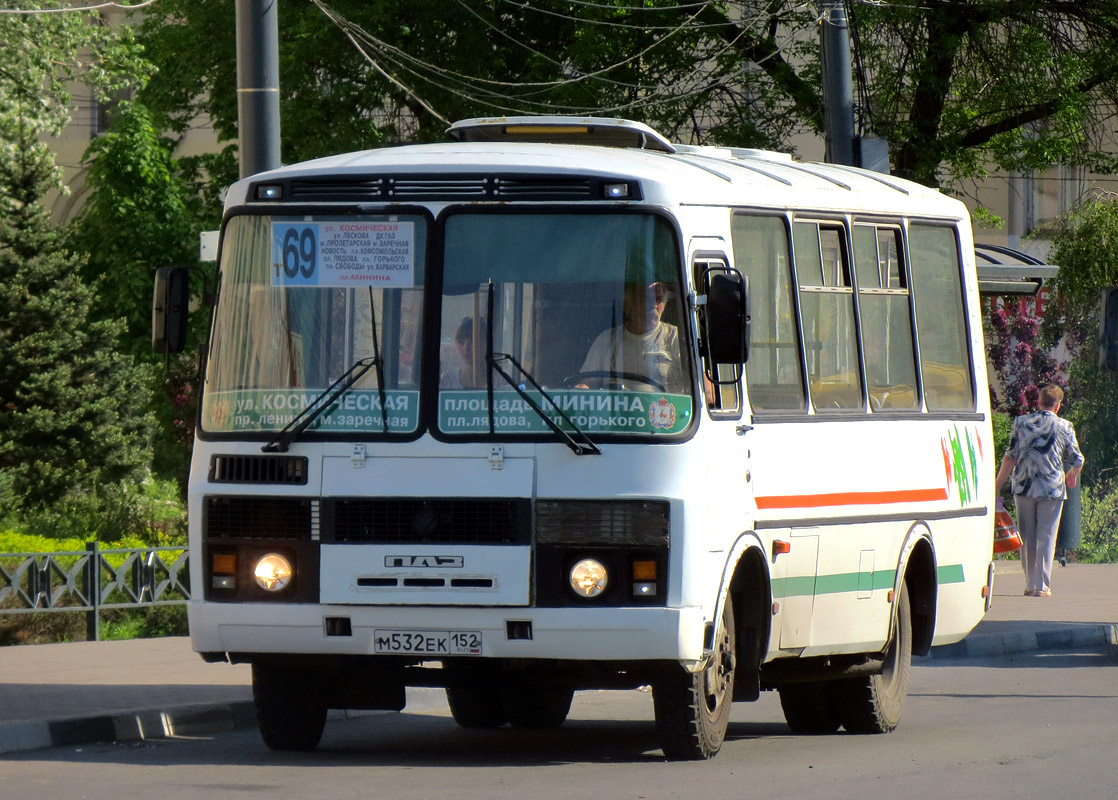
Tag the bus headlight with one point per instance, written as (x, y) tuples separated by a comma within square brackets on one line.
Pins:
[(589, 578), (273, 572)]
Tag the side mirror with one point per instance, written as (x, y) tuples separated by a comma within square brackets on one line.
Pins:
[(169, 308), (727, 318)]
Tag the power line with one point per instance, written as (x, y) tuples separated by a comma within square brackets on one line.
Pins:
[(473, 88), (71, 9)]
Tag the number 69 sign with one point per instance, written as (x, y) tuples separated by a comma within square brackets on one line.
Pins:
[(343, 253)]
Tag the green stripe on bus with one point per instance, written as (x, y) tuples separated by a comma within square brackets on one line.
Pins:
[(852, 582), (952, 573)]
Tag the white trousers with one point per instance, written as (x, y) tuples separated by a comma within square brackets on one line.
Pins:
[(1038, 521)]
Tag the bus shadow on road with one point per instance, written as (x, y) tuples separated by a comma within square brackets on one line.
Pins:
[(409, 741)]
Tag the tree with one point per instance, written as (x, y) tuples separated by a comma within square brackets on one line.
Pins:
[(1086, 247), (72, 412), (956, 86), (140, 214), (144, 210)]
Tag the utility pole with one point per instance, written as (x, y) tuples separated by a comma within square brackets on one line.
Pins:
[(258, 121), (838, 92)]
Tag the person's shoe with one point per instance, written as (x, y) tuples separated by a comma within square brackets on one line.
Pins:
[(1043, 593), (1030, 593)]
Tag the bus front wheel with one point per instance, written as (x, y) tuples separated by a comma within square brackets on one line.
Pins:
[(475, 707), (290, 706), (693, 709), (874, 704), (537, 708)]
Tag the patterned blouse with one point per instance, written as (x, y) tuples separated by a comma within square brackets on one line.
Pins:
[(1043, 446)]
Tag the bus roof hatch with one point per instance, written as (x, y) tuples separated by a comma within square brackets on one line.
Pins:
[(600, 131)]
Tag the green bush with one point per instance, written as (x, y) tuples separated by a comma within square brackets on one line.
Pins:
[(1099, 525), (148, 513), (144, 623), (1003, 425)]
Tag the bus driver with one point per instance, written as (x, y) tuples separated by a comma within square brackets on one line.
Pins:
[(642, 346)]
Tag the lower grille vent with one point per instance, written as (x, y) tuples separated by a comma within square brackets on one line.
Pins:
[(434, 521)]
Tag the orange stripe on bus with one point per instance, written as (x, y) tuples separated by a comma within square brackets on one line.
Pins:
[(851, 498)]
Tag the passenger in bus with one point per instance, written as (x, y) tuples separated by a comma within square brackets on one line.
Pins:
[(643, 346), (1041, 445), (471, 373)]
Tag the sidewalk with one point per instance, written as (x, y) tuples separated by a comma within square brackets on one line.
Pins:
[(73, 694)]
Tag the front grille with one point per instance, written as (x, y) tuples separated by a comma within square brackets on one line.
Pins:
[(427, 189), (642, 523), (258, 517), (551, 189), (431, 521), (258, 469), (372, 189)]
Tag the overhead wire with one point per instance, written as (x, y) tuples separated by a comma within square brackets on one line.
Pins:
[(473, 88), (73, 9), (642, 10)]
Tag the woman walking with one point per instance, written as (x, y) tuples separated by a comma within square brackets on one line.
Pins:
[(1039, 446)]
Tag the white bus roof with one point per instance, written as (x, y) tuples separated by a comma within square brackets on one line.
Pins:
[(669, 174)]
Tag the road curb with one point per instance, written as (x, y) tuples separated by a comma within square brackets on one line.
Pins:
[(198, 719), (133, 726), (999, 644)]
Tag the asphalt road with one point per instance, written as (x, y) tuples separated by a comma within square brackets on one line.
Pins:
[(1034, 725)]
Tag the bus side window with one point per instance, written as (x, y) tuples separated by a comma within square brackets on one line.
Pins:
[(827, 316), (941, 320), (885, 317), (774, 374)]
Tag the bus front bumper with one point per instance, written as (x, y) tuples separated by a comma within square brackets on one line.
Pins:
[(605, 634)]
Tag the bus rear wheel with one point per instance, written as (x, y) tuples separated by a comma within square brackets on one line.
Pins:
[(290, 706), (874, 704), (693, 709), (810, 708)]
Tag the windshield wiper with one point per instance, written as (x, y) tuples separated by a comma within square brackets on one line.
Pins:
[(325, 399), (314, 409), (582, 446)]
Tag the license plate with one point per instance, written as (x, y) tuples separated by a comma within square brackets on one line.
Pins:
[(428, 643)]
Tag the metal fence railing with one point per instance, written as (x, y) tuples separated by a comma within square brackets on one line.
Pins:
[(93, 580)]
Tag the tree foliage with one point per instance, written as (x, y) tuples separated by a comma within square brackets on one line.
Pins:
[(71, 408), (957, 86), (145, 209), (1086, 248), (141, 214)]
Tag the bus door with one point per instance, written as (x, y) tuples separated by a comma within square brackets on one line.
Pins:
[(726, 439)]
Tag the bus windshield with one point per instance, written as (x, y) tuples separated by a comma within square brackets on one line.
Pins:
[(305, 298), (586, 307)]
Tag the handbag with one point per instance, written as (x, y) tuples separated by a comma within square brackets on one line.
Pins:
[(1006, 537)]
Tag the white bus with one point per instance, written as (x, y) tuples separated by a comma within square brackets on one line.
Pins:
[(560, 405)]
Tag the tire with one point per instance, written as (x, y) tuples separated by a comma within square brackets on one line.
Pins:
[(810, 708), (874, 704), (537, 708), (474, 707), (290, 706), (693, 710)]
